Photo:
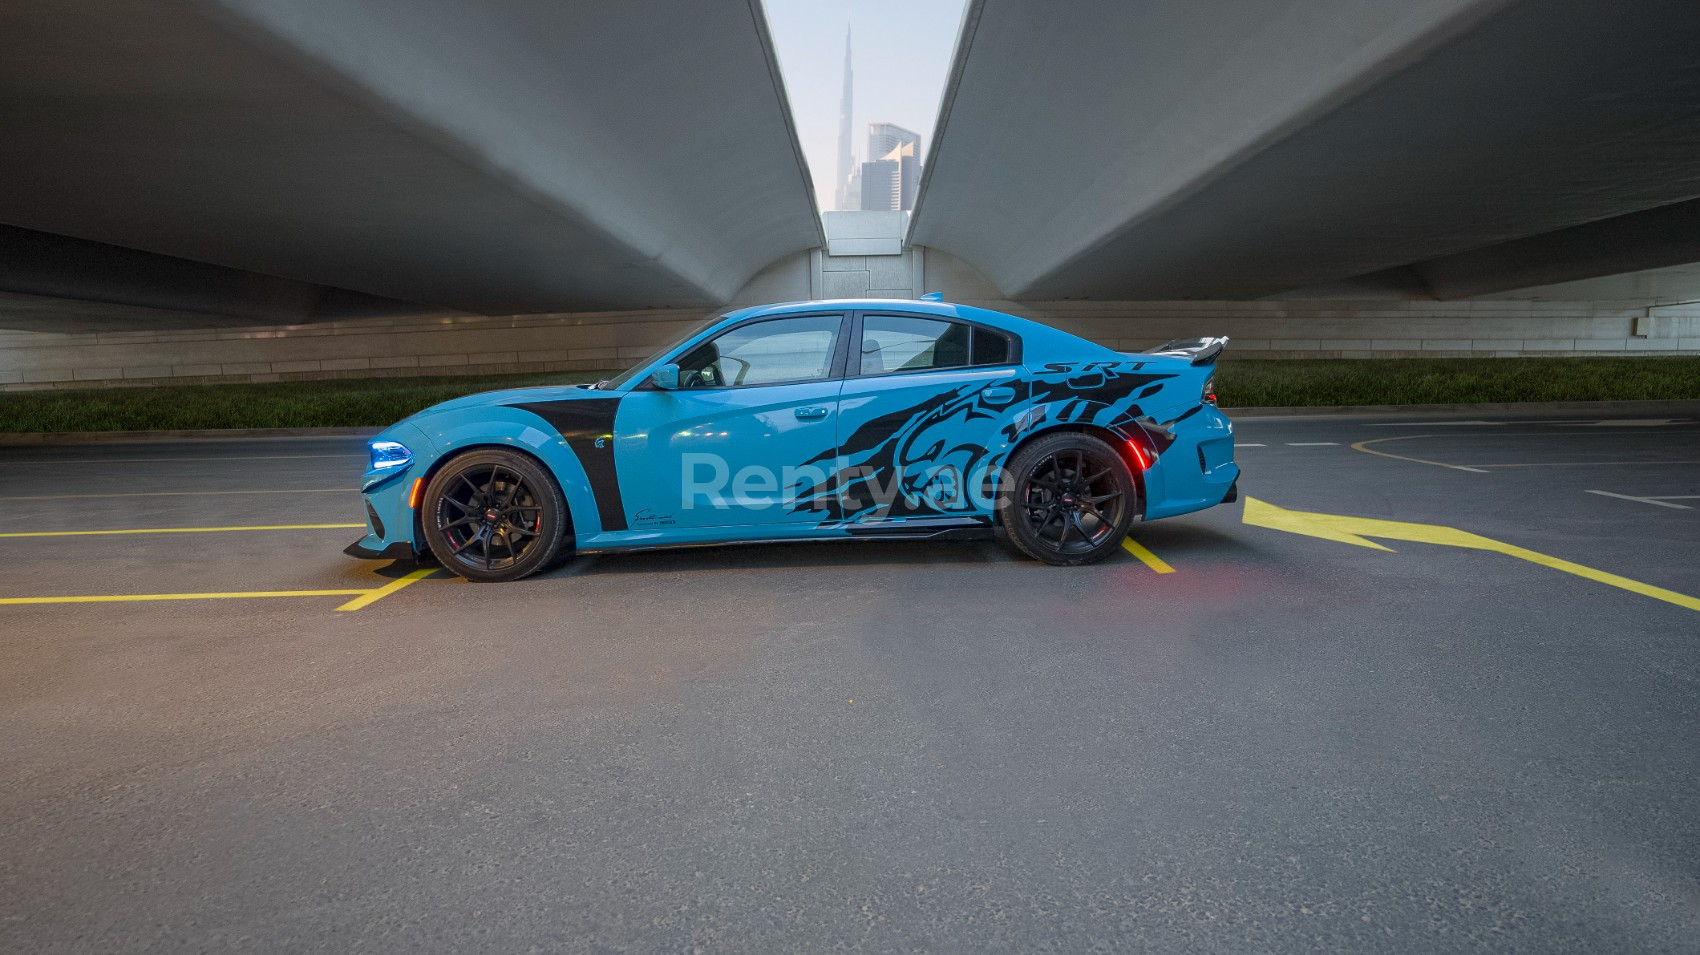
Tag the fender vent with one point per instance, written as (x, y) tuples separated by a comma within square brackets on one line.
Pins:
[(1202, 467), (377, 525)]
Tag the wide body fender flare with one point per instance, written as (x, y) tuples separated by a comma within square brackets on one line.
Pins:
[(506, 427)]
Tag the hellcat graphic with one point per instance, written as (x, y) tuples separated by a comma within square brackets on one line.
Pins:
[(925, 460)]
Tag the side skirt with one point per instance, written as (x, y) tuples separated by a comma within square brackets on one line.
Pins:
[(944, 528), (978, 528)]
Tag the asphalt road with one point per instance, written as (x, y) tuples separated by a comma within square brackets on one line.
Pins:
[(1290, 743)]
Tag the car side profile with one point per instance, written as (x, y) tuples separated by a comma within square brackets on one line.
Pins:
[(813, 421)]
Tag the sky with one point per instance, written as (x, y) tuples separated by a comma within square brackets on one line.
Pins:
[(902, 53)]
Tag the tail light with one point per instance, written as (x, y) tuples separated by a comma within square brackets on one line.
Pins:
[(1209, 395)]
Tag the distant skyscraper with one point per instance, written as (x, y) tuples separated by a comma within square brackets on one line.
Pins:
[(890, 182), (884, 137), (842, 198)]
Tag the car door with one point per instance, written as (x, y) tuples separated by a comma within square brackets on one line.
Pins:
[(733, 445), (922, 415)]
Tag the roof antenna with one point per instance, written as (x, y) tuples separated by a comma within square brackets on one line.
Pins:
[(933, 297)]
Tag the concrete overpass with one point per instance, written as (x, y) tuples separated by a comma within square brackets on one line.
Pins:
[(515, 187), (1421, 149), (257, 161)]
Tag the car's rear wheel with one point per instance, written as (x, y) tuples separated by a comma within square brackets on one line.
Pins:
[(494, 515), (1070, 499)]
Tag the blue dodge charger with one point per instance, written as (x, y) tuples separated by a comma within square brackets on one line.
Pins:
[(811, 421)]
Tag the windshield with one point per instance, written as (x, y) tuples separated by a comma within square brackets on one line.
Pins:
[(630, 373)]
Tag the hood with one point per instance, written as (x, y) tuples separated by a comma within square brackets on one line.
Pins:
[(512, 396)]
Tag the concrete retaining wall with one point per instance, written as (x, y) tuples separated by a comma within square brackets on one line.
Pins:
[(1297, 329), (540, 343), (460, 345)]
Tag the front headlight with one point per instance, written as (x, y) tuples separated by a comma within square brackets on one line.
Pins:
[(387, 455)]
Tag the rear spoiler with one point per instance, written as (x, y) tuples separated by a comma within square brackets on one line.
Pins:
[(1200, 351)]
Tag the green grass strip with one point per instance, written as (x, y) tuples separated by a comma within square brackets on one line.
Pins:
[(333, 403), (1241, 383), (1259, 383)]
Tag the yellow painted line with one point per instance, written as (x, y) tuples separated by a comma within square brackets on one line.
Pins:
[(369, 597), (1145, 556), (68, 497), (1357, 530), (1588, 464), (127, 598), (246, 457), (183, 530), (1633, 586), (363, 597), (1364, 447)]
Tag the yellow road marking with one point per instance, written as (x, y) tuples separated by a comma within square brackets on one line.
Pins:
[(1364, 447), (363, 597), (182, 530), (67, 497), (1145, 556), (1588, 464), (126, 598), (373, 596), (1496, 436), (1357, 530), (248, 457)]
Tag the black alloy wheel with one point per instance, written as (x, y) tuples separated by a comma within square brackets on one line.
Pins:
[(1070, 501), (494, 516)]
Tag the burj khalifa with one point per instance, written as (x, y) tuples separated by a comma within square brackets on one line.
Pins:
[(846, 162)]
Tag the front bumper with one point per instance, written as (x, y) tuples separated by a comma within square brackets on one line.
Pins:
[(390, 522), (400, 550)]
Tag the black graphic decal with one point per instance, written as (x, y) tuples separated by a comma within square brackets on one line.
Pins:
[(913, 462), (920, 458), (588, 426)]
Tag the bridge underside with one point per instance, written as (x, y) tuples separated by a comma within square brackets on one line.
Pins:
[(330, 158), (1442, 149)]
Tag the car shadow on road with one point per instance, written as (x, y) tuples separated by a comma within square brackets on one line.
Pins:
[(1184, 542), (802, 555)]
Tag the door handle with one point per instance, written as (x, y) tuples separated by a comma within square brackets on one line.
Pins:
[(998, 396), (811, 413)]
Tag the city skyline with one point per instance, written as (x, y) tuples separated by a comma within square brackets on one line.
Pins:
[(887, 178), (891, 176), (901, 56)]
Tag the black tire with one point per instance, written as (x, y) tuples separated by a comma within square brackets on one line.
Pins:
[(1069, 499), (494, 515)]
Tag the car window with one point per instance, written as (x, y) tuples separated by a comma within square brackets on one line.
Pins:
[(620, 379), (990, 348), (763, 353), (904, 343)]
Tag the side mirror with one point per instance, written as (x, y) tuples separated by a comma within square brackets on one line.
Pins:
[(666, 377)]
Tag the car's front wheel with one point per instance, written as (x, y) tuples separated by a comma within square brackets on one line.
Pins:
[(1069, 499), (494, 515)]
